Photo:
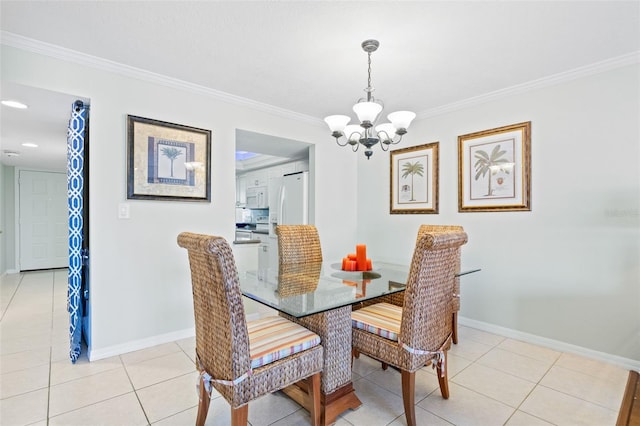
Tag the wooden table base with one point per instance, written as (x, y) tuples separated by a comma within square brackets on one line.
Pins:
[(333, 404)]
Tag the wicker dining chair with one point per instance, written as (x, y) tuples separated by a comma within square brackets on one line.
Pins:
[(240, 359), (455, 300), (412, 336), (298, 244)]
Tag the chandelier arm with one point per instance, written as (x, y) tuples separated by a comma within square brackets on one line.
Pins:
[(394, 142), (388, 143), (342, 144)]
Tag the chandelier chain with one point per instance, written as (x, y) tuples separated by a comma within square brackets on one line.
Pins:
[(369, 74)]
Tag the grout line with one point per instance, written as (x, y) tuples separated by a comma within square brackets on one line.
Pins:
[(135, 391), (53, 302), (4, 312)]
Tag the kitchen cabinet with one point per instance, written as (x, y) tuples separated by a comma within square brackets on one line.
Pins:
[(264, 179), (241, 191), (256, 178), (287, 168)]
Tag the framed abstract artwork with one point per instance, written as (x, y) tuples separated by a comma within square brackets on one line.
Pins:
[(494, 169), (167, 161), (414, 180)]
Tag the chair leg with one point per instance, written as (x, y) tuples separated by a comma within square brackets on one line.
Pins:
[(454, 325), (384, 365), (240, 415), (314, 395), (408, 396), (203, 406), (443, 378)]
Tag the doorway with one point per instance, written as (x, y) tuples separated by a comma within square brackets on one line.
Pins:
[(40, 198), (43, 221)]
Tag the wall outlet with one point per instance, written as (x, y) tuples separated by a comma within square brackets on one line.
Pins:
[(123, 211)]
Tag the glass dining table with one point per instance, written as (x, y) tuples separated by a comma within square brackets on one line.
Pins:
[(321, 296)]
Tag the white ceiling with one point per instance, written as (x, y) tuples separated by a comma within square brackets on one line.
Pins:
[(305, 56)]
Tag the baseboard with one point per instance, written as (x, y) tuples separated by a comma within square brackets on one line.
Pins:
[(627, 363), (136, 345)]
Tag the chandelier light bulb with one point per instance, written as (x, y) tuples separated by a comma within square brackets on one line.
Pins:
[(401, 119), (337, 123), (367, 112), (353, 132), (385, 131)]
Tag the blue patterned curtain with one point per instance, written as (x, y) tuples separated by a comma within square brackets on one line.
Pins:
[(75, 185)]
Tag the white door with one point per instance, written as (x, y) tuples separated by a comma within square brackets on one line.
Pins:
[(43, 216)]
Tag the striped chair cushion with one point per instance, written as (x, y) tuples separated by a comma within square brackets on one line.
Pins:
[(273, 338), (382, 319)]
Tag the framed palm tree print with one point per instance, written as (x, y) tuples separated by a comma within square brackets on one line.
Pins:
[(494, 169), (414, 180), (167, 161)]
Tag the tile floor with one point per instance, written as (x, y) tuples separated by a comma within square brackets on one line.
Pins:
[(493, 380)]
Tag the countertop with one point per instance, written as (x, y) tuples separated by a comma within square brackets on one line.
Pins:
[(246, 242)]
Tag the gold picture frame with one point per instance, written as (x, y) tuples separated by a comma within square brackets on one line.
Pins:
[(414, 180), (167, 161), (494, 169)]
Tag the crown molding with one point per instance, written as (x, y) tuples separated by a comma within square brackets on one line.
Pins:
[(596, 68), (54, 51), (62, 53)]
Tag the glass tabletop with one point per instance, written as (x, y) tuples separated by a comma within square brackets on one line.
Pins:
[(305, 289)]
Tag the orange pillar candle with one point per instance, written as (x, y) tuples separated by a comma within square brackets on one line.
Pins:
[(361, 257), (351, 256), (344, 263), (352, 265), (369, 265)]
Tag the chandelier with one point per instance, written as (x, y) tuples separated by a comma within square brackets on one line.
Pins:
[(368, 110)]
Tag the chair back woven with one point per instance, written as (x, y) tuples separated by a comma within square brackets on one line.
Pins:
[(298, 278), (432, 229), (298, 244), (446, 228), (222, 339), (426, 315)]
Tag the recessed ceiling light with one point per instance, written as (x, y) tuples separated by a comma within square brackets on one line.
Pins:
[(30, 145), (244, 155), (14, 104), (10, 153)]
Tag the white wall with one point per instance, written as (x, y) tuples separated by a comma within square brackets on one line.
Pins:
[(7, 210), (3, 204), (568, 270), (140, 285)]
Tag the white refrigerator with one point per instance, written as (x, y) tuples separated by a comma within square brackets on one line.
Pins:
[(291, 208), (293, 203)]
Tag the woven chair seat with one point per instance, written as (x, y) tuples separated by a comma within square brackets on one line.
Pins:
[(382, 319), (273, 338)]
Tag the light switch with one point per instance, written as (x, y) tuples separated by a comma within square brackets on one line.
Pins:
[(123, 211)]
